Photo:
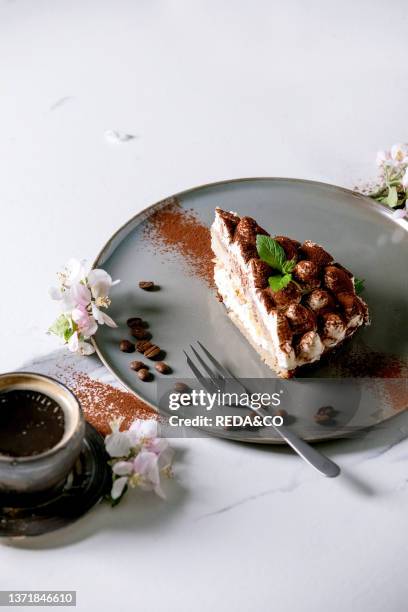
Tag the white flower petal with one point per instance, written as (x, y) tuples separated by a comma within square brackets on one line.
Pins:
[(166, 458), (115, 423), (381, 158), (118, 486), (108, 320), (159, 491), (123, 468), (117, 444), (55, 293), (75, 271), (91, 328), (100, 283), (80, 294), (73, 342), (398, 152), (400, 213), (67, 303), (86, 348), (148, 428)]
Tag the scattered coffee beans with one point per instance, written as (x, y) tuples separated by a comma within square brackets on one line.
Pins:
[(137, 365), (152, 352), (140, 333), (134, 322), (163, 367), (144, 374), (143, 345), (181, 387), (325, 415), (126, 346), (147, 285)]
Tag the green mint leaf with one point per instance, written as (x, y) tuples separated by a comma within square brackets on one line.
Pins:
[(288, 266), (271, 252), (359, 285), (392, 198), (280, 281)]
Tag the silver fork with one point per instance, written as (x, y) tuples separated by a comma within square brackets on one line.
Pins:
[(216, 374)]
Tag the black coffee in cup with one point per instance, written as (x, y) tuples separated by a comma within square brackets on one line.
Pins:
[(31, 423)]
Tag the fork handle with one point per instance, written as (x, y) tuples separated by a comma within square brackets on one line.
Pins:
[(313, 457)]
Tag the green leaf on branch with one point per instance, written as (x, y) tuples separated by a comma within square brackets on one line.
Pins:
[(391, 199), (62, 327)]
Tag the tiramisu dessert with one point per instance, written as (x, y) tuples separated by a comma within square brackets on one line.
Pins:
[(291, 301)]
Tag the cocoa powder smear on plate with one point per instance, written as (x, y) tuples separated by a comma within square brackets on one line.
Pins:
[(102, 402), (174, 229)]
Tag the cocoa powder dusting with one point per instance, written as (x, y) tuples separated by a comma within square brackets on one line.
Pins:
[(360, 361), (177, 230), (102, 402)]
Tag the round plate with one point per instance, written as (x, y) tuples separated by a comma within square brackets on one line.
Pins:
[(86, 484), (360, 234)]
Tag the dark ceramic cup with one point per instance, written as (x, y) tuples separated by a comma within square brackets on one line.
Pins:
[(47, 470)]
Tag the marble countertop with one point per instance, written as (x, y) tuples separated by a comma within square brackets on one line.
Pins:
[(209, 91)]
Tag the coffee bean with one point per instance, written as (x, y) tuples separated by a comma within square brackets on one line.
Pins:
[(286, 419), (137, 365), (325, 415), (143, 345), (126, 346), (134, 322), (163, 368), (181, 387), (147, 285), (144, 374), (322, 419), (152, 352), (140, 333)]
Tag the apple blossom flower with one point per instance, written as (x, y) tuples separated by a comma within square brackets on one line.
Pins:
[(142, 472), (60, 294), (80, 294), (142, 432), (117, 443), (82, 298), (86, 324), (76, 345), (101, 317), (118, 487), (391, 188), (382, 157), (399, 153), (139, 455), (73, 272)]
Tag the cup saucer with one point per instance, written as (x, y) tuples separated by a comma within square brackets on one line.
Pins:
[(85, 485)]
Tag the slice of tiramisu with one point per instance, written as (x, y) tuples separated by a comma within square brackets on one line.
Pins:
[(291, 301)]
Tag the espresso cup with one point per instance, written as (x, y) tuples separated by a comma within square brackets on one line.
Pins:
[(43, 471)]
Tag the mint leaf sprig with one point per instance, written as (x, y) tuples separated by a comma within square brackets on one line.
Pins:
[(359, 285), (271, 252)]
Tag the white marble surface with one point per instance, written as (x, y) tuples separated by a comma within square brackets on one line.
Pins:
[(210, 90)]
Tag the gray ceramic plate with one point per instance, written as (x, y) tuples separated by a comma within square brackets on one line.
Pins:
[(360, 234)]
